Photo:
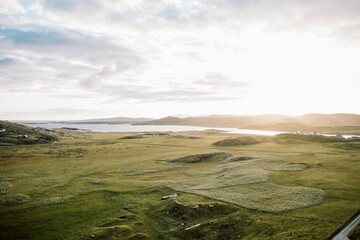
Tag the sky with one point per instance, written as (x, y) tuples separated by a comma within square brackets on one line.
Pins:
[(83, 59)]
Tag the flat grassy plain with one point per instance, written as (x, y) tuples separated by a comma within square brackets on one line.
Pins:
[(105, 186)]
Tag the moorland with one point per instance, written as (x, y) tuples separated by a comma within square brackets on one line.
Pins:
[(110, 186)]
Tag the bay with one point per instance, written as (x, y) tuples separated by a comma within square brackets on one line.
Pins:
[(147, 128)]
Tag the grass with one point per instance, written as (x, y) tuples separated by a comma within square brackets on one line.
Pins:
[(100, 186), (290, 167), (240, 141), (266, 196), (202, 157), (298, 138)]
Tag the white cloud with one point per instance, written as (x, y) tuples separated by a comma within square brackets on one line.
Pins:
[(52, 114), (116, 54), (97, 79), (11, 7), (36, 7)]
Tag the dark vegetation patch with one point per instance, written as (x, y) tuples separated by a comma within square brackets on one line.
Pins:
[(355, 235), (351, 130), (102, 143), (118, 220), (198, 221), (186, 137), (71, 152), (132, 137), (157, 135), (239, 159), (139, 236), (349, 146), (70, 128), (112, 232), (215, 156), (67, 152), (149, 135), (241, 141), (290, 167), (178, 211), (289, 138), (73, 219)]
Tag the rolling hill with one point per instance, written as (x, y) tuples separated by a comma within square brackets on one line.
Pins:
[(309, 122), (115, 120), (16, 134)]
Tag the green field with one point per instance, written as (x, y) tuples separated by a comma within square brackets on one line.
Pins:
[(105, 186)]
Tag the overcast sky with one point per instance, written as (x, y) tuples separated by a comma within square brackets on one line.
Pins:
[(66, 59)]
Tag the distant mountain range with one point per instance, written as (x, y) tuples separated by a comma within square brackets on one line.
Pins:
[(308, 122), (340, 122), (115, 120)]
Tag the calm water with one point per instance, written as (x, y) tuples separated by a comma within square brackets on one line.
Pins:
[(156, 128), (146, 128)]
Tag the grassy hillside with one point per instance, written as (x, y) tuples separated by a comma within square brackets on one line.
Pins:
[(105, 186), (340, 119), (14, 134), (237, 141)]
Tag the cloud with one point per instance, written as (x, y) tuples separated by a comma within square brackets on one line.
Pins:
[(71, 6), (280, 15), (6, 61), (56, 58), (97, 79), (218, 81), (324, 17), (65, 43), (133, 15), (11, 7), (151, 94), (160, 51), (25, 78), (52, 114)]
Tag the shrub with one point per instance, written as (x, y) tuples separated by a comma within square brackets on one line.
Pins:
[(96, 181), (202, 157), (16, 198), (51, 201), (236, 142)]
